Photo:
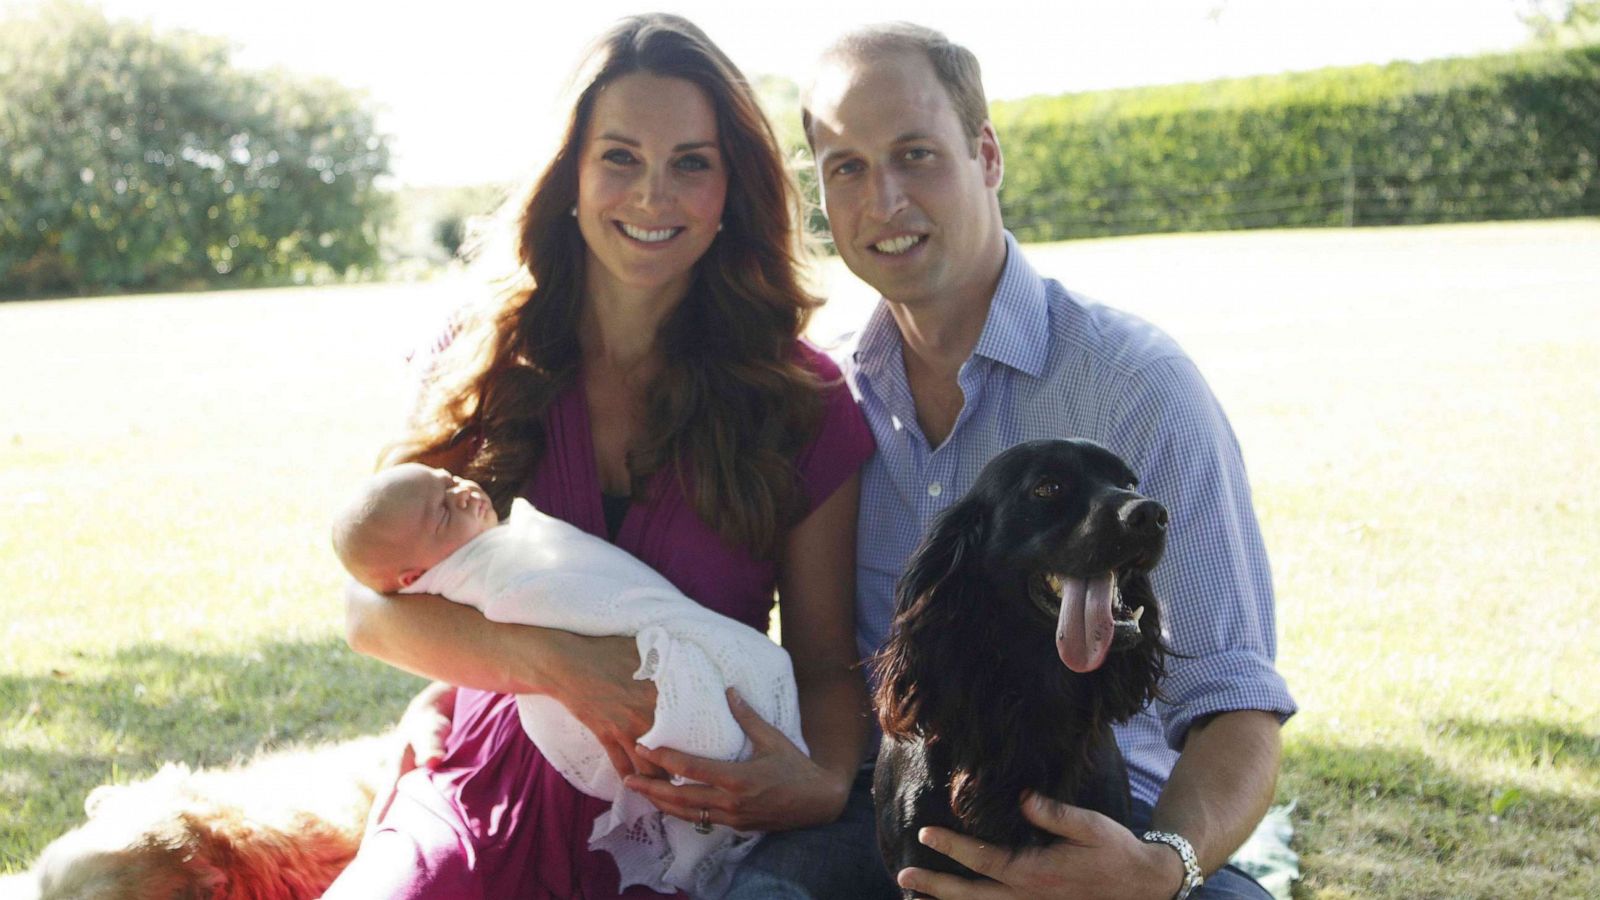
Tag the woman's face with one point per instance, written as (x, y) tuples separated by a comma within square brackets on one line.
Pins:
[(651, 184)]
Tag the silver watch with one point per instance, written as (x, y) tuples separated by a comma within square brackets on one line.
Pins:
[(1191, 865)]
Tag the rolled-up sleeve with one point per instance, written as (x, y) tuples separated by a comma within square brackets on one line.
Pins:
[(1213, 584)]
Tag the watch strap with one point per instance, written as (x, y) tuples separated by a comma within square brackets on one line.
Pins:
[(1191, 863)]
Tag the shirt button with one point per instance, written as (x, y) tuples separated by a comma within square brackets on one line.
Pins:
[(935, 489)]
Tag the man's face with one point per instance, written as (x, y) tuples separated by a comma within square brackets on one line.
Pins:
[(910, 202)]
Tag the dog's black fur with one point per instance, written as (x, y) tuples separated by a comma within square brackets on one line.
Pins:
[(975, 702)]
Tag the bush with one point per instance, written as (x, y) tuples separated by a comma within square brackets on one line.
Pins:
[(1494, 137), (134, 159)]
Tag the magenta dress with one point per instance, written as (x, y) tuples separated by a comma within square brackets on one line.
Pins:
[(494, 819)]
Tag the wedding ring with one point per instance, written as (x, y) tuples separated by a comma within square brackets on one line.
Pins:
[(704, 825)]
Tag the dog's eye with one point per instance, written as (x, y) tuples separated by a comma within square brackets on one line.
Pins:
[(1047, 488)]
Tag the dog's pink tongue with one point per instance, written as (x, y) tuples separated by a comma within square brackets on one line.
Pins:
[(1084, 631)]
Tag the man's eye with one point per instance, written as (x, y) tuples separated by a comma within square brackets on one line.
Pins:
[(918, 153), (1047, 488), (847, 168)]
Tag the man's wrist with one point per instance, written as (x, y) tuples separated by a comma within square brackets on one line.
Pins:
[(1164, 872), (1188, 864)]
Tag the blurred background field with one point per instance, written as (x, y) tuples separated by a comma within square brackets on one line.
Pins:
[(1419, 409)]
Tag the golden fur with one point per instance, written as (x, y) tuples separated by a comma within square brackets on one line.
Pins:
[(280, 827)]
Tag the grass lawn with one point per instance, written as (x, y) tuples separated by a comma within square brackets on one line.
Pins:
[(1419, 408)]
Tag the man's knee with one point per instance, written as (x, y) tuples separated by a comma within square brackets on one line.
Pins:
[(831, 861), (1229, 883)]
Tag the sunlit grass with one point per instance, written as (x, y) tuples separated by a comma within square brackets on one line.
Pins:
[(1419, 409)]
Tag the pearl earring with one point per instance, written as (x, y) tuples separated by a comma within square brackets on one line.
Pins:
[(573, 212)]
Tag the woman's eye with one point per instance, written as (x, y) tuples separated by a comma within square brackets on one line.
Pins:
[(694, 163), (1047, 488), (620, 157)]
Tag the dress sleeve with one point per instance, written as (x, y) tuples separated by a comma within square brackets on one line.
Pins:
[(1213, 581), (842, 443)]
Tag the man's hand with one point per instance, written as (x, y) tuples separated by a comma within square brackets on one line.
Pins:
[(777, 788), (1095, 858)]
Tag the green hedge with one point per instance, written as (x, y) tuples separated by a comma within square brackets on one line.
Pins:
[(1496, 137), (135, 159)]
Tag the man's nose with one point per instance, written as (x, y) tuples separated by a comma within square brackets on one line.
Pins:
[(888, 195)]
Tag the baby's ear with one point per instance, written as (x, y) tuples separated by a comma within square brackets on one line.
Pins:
[(409, 576)]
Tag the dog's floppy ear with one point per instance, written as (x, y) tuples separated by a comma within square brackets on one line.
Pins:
[(929, 600), (951, 547)]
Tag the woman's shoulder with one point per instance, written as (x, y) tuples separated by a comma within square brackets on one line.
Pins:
[(840, 441), (817, 361)]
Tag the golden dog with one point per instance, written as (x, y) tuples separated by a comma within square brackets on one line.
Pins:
[(280, 827)]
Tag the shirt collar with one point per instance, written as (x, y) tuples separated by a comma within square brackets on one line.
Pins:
[(879, 342), (1016, 332)]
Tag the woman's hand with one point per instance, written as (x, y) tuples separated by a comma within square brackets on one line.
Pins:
[(591, 676), (600, 691), (777, 788)]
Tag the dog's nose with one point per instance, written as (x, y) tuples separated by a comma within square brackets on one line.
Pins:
[(1143, 516)]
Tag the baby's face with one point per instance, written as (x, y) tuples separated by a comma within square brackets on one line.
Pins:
[(438, 512)]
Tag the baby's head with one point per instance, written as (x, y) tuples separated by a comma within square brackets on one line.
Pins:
[(407, 520)]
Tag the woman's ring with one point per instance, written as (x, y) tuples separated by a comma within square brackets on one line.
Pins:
[(704, 825)]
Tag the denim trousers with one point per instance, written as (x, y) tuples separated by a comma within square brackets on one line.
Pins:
[(840, 861)]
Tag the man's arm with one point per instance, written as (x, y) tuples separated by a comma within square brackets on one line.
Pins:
[(1221, 785)]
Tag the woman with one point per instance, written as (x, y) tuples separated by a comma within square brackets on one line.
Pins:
[(645, 381)]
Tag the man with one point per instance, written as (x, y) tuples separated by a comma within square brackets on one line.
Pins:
[(971, 352)]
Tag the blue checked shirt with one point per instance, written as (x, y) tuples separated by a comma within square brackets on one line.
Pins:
[(1052, 364)]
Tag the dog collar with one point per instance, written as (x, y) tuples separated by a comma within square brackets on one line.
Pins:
[(1191, 865)]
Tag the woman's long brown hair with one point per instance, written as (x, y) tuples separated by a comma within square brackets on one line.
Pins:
[(733, 404)]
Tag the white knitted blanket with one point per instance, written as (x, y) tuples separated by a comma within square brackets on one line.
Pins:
[(538, 570)]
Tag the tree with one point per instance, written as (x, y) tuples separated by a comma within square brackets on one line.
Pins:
[(136, 159), (1563, 23)]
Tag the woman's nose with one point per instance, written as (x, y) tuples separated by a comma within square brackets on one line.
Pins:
[(655, 189)]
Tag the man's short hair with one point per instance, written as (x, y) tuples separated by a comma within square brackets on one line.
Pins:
[(954, 64)]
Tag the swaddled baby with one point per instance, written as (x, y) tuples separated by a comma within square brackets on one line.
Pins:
[(422, 530)]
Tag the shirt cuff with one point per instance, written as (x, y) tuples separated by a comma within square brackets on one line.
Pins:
[(1220, 683)]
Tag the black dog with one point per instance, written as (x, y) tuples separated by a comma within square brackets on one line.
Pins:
[(1024, 628)]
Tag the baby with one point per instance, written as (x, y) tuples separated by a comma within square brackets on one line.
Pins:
[(417, 529), (407, 520)]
